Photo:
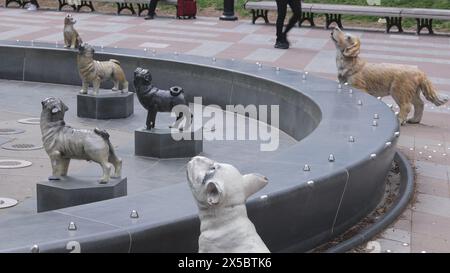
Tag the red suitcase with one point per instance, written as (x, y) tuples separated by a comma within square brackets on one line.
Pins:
[(186, 9)]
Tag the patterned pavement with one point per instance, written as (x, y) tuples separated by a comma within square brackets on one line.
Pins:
[(425, 225)]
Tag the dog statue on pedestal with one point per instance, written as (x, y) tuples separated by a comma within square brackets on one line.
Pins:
[(63, 143), (156, 100), (71, 37), (96, 72)]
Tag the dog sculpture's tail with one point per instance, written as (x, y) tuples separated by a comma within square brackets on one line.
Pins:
[(430, 94), (102, 133), (105, 136), (114, 61)]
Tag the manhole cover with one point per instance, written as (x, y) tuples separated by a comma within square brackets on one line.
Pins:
[(10, 131), (21, 146), (14, 163), (34, 121), (7, 202)]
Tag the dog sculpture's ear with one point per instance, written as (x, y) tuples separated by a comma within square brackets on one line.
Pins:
[(353, 50), (64, 107), (254, 182), (214, 193)]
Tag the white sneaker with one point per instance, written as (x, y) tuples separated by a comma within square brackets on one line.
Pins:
[(32, 7)]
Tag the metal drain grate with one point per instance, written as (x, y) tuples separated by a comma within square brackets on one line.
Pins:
[(10, 131), (21, 146), (7, 202), (14, 163), (34, 121)]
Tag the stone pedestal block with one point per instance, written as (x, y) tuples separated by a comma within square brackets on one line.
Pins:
[(73, 191), (106, 105), (163, 143)]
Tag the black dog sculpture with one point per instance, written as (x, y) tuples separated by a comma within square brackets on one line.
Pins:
[(154, 99)]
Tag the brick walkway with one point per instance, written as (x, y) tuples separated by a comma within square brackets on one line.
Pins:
[(425, 226)]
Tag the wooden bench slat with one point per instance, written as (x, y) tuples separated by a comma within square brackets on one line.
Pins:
[(271, 5), (426, 13), (135, 1), (356, 10)]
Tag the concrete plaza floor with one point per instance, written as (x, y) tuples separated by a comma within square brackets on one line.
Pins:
[(425, 225)]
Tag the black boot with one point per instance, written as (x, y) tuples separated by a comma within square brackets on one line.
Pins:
[(149, 17), (282, 43), (285, 40)]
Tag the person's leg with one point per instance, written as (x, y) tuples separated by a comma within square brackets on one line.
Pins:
[(281, 9), (297, 13), (151, 9)]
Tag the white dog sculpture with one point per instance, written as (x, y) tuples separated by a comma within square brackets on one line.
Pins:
[(221, 191)]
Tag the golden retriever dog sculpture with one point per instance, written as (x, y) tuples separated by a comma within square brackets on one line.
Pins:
[(403, 83), (96, 72)]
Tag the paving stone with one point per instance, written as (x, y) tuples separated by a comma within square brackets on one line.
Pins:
[(433, 186), (430, 244), (435, 225), (391, 246), (398, 235), (431, 204)]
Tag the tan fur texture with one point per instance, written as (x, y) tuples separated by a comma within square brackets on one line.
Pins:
[(403, 83), (71, 37), (95, 72)]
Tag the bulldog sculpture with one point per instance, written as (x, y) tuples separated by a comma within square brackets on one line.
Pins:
[(220, 191)]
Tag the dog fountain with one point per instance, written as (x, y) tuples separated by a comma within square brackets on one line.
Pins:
[(172, 141)]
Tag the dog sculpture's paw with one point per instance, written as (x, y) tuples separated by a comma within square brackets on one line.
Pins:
[(83, 91), (412, 121), (54, 178), (177, 126)]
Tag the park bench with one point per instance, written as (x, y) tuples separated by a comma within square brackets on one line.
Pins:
[(425, 17), (142, 5), (333, 13)]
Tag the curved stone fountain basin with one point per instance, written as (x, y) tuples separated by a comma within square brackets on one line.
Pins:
[(290, 214)]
